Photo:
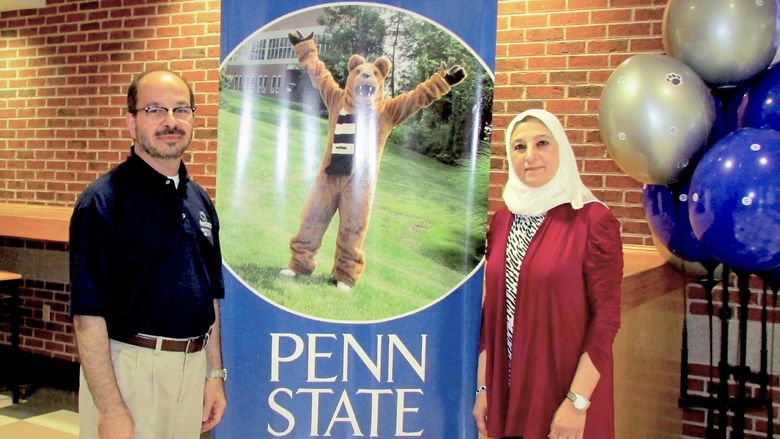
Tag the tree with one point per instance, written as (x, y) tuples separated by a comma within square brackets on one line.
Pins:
[(416, 48), (351, 30), (445, 128), (398, 21)]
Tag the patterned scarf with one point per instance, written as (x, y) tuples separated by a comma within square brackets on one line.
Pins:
[(343, 149), (520, 235)]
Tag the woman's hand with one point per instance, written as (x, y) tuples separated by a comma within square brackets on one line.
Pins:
[(480, 412), (567, 423), (480, 403)]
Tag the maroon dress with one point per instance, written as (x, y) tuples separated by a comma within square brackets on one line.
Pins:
[(568, 303)]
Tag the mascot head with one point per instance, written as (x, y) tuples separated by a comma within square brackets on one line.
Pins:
[(366, 81)]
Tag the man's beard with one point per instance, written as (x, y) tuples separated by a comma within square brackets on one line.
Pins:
[(149, 148)]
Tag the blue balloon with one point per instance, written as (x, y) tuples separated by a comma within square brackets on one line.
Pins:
[(729, 110), (763, 101), (666, 210), (734, 205), (772, 277)]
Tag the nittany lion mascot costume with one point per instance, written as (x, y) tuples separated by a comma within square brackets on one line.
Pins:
[(360, 119)]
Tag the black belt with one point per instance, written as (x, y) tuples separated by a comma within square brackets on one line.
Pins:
[(189, 345)]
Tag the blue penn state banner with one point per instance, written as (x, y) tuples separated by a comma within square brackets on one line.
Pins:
[(352, 178)]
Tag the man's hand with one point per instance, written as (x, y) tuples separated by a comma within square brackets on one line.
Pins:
[(214, 403), (114, 418), (116, 424), (454, 75), (297, 37)]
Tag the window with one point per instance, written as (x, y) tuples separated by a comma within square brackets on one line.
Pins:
[(322, 43), (273, 48), (286, 51), (276, 83), (262, 82), (258, 50), (280, 48)]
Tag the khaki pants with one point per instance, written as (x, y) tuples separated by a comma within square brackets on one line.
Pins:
[(163, 390)]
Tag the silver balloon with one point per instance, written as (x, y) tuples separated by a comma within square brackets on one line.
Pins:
[(694, 269), (776, 59), (655, 114), (724, 41)]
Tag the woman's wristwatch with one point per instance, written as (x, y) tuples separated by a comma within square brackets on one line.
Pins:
[(579, 402)]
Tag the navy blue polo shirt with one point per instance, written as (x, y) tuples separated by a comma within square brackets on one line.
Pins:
[(145, 255)]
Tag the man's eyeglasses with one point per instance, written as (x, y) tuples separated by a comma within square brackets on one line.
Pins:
[(159, 112)]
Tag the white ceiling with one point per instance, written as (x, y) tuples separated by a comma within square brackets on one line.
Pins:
[(10, 5)]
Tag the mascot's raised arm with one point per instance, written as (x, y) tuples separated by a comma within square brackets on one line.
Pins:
[(360, 119)]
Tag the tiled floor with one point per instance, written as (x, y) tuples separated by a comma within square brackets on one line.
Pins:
[(45, 413)]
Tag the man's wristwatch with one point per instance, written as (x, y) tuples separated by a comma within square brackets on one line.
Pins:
[(580, 402), (217, 373)]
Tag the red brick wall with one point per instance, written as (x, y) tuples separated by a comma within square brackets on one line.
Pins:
[(50, 338), (64, 73), (695, 419), (557, 55)]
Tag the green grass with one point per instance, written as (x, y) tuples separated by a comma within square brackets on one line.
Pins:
[(422, 235)]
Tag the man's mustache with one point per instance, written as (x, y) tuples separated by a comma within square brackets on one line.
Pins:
[(168, 131)]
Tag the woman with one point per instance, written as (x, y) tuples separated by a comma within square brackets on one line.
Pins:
[(552, 296)]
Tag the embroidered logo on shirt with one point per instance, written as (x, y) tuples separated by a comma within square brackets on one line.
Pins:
[(205, 225)]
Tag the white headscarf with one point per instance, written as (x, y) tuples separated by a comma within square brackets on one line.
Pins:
[(565, 186)]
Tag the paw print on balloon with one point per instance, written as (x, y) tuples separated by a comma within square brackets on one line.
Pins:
[(674, 78)]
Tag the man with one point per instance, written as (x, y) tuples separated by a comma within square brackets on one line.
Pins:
[(145, 268)]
